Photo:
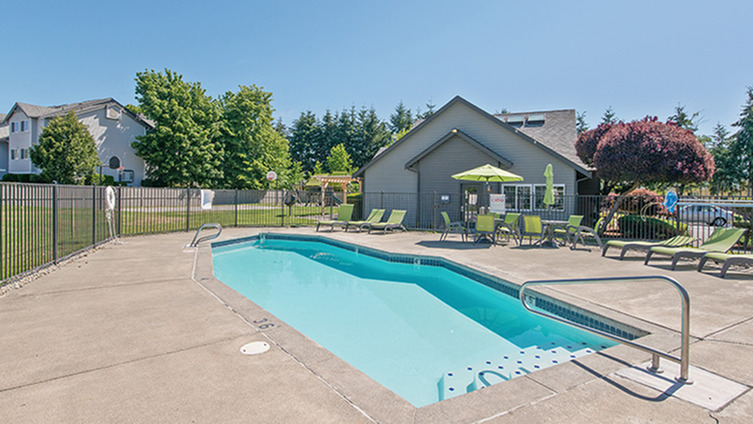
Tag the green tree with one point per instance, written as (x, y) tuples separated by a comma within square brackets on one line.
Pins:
[(580, 122), (430, 109), (371, 135), (252, 146), (684, 120), (609, 117), (339, 160), (401, 119), (727, 175), (305, 134), (742, 142), (184, 148), (66, 152)]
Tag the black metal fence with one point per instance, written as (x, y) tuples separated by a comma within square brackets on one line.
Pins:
[(43, 224)]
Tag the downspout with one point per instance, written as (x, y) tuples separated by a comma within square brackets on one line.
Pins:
[(418, 192)]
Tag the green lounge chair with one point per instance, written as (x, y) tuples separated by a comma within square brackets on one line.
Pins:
[(453, 228), (582, 231), (343, 216), (531, 228), (676, 241), (485, 229), (394, 221), (567, 231), (721, 240), (728, 259), (510, 227), (374, 216)]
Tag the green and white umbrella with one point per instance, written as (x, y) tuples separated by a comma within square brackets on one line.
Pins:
[(549, 192), (487, 173)]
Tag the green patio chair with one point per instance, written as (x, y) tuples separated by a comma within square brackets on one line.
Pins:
[(509, 228), (676, 241), (394, 221), (485, 229), (720, 241), (374, 216), (583, 231), (567, 231), (532, 227), (728, 259), (343, 216), (453, 228)]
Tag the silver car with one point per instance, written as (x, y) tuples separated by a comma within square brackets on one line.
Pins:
[(708, 214)]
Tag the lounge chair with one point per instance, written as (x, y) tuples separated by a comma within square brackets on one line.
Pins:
[(728, 259), (343, 216), (721, 240), (485, 229), (567, 231), (394, 221), (532, 227), (374, 216), (582, 231), (453, 228), (676, 241), (510, 227)]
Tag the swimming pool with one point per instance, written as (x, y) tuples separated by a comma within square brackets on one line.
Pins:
[(425, 328)]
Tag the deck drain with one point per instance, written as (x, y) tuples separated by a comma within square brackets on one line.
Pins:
[(254, 348)]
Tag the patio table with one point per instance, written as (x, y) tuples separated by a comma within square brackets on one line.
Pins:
[(550, 224)]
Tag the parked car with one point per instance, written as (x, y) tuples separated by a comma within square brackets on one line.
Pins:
[(708, 214)]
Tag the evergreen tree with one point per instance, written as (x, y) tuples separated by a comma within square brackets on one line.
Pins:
[(304, 135), (609, 117), (183, 150), (252, 146), (742, 142), (401, 119), (727, 175), (67, 152), (373, 134), (580, 122), (684, 120), (339, 161), (430, 109)]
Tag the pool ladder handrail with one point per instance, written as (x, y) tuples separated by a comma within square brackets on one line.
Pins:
[(683, 360), (197, 240)]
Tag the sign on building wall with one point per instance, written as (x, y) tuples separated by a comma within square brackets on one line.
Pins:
[(497, 203)]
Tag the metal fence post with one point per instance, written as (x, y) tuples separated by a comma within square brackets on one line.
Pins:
[(55, 224), (120, 214), (381, 202), (94, 215), (282, 206), (236, 207), (188, 208)]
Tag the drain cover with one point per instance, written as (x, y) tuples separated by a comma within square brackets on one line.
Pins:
[(254, 348)]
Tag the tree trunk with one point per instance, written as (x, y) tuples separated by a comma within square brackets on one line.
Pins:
[(613, 210)]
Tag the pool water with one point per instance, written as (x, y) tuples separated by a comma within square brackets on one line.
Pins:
[(424, 332)]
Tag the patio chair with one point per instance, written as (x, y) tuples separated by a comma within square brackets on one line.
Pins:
[(394, 221), (567, 231), (485, 229), (374, 216), (727, 258), (582, 231), (721, 240), (532, 227), (676, 241), (453, 228), (343, 216), (510, 227)]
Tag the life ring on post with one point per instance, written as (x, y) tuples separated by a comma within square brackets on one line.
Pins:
[(110, 198)]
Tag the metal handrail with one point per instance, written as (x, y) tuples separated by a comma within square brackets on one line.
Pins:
[(196, 242), (684, 358)]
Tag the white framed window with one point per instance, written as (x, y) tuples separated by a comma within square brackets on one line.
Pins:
[(24, 126), (24, 153), (517, 196), (559, 197), (13, 154), (12, 127)]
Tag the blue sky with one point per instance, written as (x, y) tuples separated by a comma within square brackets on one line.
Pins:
[(640, 57)]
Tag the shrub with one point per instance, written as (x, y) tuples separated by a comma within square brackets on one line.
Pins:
[(634, 226), (24, 178)]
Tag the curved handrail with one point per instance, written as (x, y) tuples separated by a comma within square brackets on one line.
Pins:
[(196, 242), (683, 360)]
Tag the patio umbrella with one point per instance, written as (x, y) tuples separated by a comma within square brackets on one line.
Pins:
[(549, 192), (487, 173)]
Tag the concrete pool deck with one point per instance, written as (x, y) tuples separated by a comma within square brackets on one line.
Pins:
[(127, 334)]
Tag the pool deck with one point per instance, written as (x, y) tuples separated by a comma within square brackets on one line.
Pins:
[(140, 332)]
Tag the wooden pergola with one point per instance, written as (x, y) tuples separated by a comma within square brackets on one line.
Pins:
[(343, 180)]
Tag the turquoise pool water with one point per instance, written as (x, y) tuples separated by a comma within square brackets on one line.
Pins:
[(424, 332)]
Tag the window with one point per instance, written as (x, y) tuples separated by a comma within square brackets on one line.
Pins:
[(559, 197), (517, 197), (24, 126), (24, 153), (12, 127), (14, 154)]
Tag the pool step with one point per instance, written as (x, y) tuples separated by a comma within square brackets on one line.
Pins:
[(483, 374)]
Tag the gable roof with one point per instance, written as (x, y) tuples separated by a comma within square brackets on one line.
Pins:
[(550, 146), (35, 111), (506, 163), (558, 130)]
